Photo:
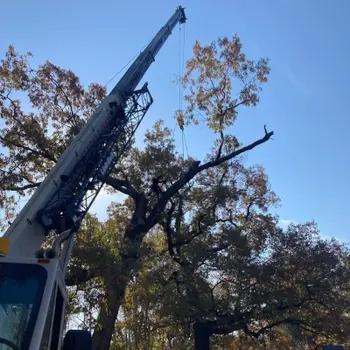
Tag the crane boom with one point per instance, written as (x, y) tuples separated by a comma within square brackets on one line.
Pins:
[(62, 200), (32, 288), (135, 72)]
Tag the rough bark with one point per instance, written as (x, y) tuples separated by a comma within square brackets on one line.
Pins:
[(115, 294), (106, 319)]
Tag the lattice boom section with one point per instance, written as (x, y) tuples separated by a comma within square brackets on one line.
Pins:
[(71, 202)]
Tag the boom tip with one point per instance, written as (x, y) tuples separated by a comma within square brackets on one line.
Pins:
[(183, 17)]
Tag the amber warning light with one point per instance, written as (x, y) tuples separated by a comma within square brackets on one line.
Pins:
[(4, 246)]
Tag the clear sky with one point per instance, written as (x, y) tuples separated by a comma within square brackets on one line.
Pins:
[(306, 102)]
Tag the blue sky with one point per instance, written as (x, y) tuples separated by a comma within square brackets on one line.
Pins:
[(306, 101)]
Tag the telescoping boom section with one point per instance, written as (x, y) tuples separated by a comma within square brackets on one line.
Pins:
[(32, 289)]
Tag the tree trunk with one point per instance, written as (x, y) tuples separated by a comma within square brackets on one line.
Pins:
[(116, 284), (106, 319), (201, 336)]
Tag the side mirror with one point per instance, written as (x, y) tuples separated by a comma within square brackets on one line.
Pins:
[(77, 340)]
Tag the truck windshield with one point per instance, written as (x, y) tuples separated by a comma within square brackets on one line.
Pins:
[(21, 290)]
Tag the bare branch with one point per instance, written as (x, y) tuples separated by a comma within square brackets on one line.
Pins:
[(193, 170), (236, 153), (42, 153), (73, 115), (21, 188), (241, 103)]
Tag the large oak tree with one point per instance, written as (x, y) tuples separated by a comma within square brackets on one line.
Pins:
[(43, 108)]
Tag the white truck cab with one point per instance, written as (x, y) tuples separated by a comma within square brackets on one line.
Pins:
[(32, 290)]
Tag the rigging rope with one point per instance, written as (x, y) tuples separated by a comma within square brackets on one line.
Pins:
[(179, 74), (183, 59), (121, 69), (180, 113)]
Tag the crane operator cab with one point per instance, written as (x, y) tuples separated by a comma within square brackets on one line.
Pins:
[(32, 302)]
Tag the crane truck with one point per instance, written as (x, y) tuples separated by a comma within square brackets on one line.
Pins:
[(33, 294)]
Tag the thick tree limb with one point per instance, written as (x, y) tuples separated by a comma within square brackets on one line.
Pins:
[(123, 186), (193, 170), (234, 154), (270, 326), (169, 231), (138, 217)]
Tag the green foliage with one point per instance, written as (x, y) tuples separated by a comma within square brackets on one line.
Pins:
[(297, 281), (219, 78)]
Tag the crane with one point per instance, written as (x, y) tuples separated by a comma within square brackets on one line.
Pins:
[(33, 294)]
